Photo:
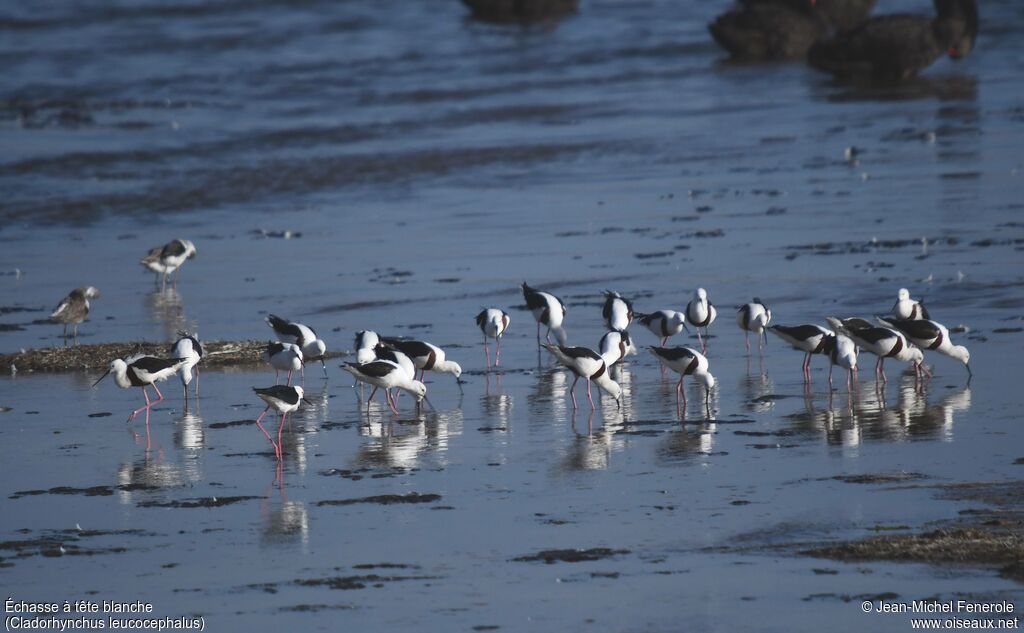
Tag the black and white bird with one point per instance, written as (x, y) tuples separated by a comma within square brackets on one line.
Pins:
[(883, 342), (142, 371), (74, 308), (842, 352), (588, 364), (284, 357), (164, 260), (663, 323), (754, 317), (383, 352), (808, 338), (686, 361), (906, 308), (548, 310), (850, 324), (366, 341), (425, 356), (302, 335), (615, 346), (189, 349), (386, 375), (492, 323), (281, 398), (930, 335), (701, 314), (617, 311)]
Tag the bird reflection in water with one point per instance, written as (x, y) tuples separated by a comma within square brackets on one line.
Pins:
[(284, 521), (166, 307), (189, 432), (402, 443), (152, 473), (496, 403), (547, 398), (865, 414), (758, 390), (683, 445)]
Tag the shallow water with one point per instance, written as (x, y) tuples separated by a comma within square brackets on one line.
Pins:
[(431, 164)]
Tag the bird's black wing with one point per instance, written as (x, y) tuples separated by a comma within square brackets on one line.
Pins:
[(412, 349), (174, 248), (376, 369), (674, 353), (873, 334), (152, 364), (284, 327), (799, 332), (283, 393), (921, 330), (580, 352), (534, 300)]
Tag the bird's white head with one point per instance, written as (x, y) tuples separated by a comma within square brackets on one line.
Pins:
[(190, 249), (92, 292), (366, 339), (299, 391), (706, 379), (456, 369), (418, 390), (120, 370), (314, 350), (960, 353), (903, 294), (701, 294), (614, 390)]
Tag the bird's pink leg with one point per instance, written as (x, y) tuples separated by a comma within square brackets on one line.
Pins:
[(260, 417), (159, 395), (849, 380), (145, 408), (497, 356), (589, 397), (830, 374), (487, 353), (746, 339), (372, 394), (538, 333), (682, 388), (302, 372), (277, 376), (288, 381), (197, 381), (280, 447), (547, 337), (572, 392), (700, 340), (391, 401)]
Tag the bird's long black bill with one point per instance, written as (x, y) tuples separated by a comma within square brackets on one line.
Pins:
[(101, 378), (459, 383), (307, 402), (427, 400)]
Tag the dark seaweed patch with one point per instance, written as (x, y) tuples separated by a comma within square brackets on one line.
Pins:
[(552, 556), (203, 502), (225, 425), (412, 497)]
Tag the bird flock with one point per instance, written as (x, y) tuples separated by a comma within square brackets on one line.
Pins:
[(395, 364)]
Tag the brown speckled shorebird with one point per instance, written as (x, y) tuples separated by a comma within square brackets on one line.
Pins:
[(74, 308)]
